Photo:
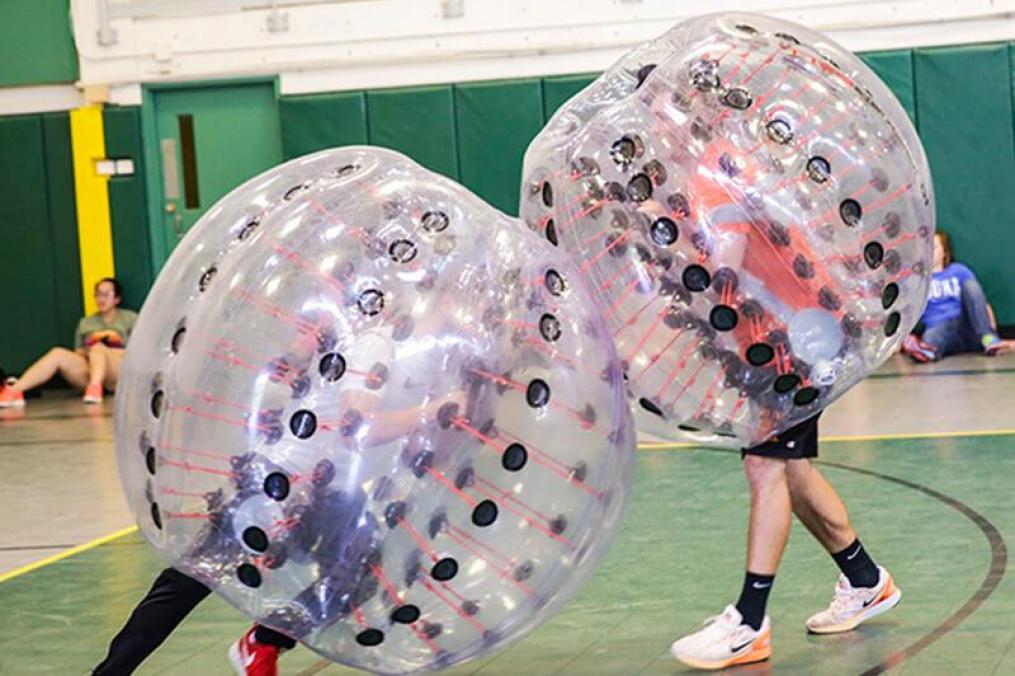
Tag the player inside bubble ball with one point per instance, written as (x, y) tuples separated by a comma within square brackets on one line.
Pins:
[(766, 287), (782, 479), (174, 594), (344, 562)]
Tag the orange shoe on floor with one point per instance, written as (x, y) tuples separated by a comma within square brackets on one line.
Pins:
[(11, 398), (93, 394)]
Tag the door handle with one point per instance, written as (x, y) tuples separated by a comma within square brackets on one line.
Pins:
[(177, 219)]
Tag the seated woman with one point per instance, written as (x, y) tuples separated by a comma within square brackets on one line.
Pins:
[(957, 317), (94, 363)]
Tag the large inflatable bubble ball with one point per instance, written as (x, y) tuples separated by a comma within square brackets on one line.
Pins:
[(375, 414), (756, 211)]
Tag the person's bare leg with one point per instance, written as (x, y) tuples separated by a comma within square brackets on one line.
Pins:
[(771, 513), (114, 359), (870, 590), (71, 365), (98, 358), (767, 533), (818, 506), (741, 634)]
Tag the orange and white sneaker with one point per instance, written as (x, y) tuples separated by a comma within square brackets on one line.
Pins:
[(852, 605), (11, 398), (93, 394), (724, 642)]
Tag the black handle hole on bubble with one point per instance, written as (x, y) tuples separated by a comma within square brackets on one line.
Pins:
[(445, 569), (485, 513), (538, 393), (514, 458), (276, 486)]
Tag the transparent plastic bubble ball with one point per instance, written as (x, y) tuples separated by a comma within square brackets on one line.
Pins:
[(375, 414), (755, 209)]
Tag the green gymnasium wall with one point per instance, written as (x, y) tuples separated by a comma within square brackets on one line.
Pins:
[(961, 98), (39, 260), (964, 110), (39, 265), (36, 43)]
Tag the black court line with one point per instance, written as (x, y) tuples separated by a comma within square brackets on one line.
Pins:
[(26, 548), (998, 565), (934, 374)]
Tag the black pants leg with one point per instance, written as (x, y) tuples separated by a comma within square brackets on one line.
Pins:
[(271, 637), (171, 598)]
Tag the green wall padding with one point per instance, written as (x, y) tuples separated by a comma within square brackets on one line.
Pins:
[(1011, 71), (961, 98), (417, 121), (26, 246), (895, 68), (312, 123), (496, 122), (36, 45), (557, 90), (965, 114), (128, 205), (63, 228)]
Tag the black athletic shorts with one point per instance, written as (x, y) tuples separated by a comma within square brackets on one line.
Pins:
[(799, 441)]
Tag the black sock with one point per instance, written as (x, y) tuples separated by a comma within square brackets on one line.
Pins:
[(271, 637), (754, 598), (857, 565)]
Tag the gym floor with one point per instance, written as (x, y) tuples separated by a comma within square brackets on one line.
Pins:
[(923, 455)]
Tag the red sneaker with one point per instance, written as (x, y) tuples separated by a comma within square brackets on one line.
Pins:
[(250, 658), (11, 398)]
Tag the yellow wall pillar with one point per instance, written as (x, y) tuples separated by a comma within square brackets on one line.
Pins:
[(95, 232)]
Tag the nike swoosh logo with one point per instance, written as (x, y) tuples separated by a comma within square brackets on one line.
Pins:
[(876, 598), (758, 585), (855, 552), (738, 648)]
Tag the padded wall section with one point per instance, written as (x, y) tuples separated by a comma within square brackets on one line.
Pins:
[(1011, 73), (316, 122), (895, 68), (26, 246), (964, 106), (496, 121), (63, 226), (128, 209), (36, 45), (557, 90), (417, 121)]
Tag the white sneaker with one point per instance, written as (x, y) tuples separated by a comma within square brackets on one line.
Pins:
[(724, 642), (851, 606)]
